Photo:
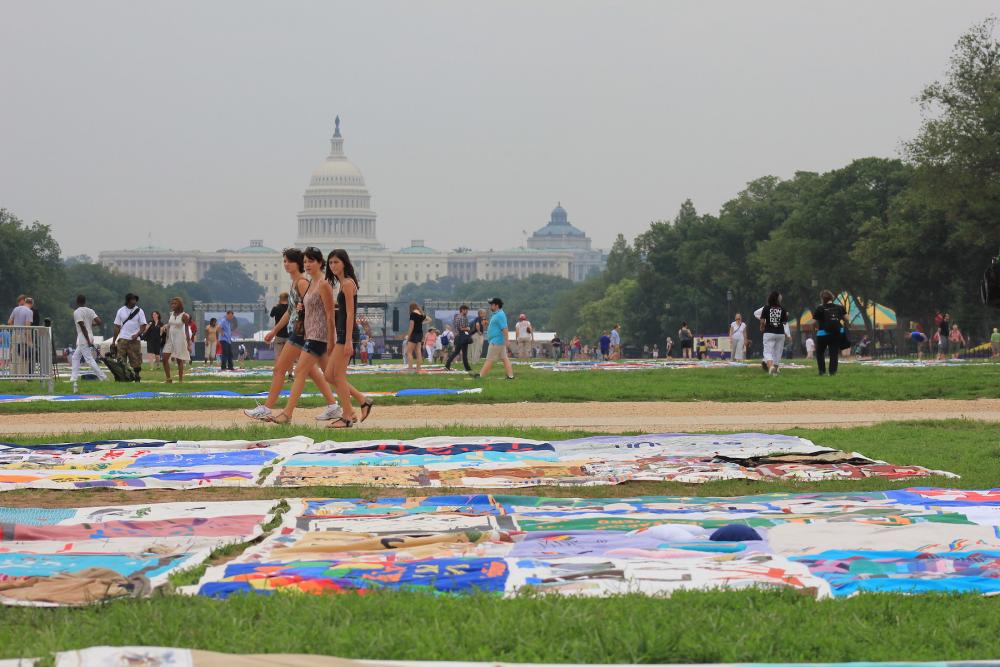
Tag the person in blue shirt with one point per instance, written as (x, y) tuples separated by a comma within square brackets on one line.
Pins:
[(226, 339), (496, 335), (605, 343)]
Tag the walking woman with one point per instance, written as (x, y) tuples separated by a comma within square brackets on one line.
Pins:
[(153, 337), (774, 323), (430, 340), (831, 319), (293, 323), (315, 312), (177, 341), (340, 270), (414, 337), (738, 338)]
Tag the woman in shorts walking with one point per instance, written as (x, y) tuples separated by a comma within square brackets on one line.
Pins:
[(415, 337)]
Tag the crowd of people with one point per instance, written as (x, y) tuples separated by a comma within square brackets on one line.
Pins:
[(316, 333)]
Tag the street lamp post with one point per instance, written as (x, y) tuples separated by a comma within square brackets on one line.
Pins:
[(729, 303)]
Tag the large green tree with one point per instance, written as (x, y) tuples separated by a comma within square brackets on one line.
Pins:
[(30, 264), (957, 159)]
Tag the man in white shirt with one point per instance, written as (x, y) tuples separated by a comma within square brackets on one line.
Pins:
[(525, 336), (84, 318), (130, 324), (616, 342)]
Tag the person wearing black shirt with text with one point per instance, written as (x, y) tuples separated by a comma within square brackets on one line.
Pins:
[(774, 319)]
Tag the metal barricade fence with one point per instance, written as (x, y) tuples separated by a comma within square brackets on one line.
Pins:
[(26, 354)]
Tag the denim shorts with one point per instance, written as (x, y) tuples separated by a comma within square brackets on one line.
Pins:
[(317, 348), (296, 341)]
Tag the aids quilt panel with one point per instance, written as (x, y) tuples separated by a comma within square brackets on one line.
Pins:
[(141, 464), (826, 544), (78, 556), (492, 463)]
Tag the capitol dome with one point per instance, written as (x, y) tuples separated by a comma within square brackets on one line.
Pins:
[(337, 210)]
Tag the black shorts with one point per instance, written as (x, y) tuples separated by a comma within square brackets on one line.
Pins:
[(296, 341), (317, 348), (341, 337), (415, 342), (687, 344)]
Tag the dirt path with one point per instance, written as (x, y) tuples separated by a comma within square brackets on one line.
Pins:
[(608, 417)]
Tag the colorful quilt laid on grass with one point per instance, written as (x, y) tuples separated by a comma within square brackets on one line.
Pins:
[(217, 393), (71, 556), (497, 462), (142, 464), (645, 365), (826, 544)]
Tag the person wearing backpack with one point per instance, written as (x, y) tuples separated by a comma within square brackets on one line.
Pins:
[(830, 319), (130, 324)]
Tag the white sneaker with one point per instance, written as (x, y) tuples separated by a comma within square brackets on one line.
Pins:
[(260, 412), (332, 411)]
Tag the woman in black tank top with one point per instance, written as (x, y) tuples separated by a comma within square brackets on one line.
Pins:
[(340, 318), (340, 270)]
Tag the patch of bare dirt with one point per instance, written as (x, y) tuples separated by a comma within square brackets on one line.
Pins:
[(591, 416)]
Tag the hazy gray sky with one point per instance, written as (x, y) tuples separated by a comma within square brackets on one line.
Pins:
[(200, 122)]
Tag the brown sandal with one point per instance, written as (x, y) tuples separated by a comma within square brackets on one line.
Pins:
[(346, 423), (366, 409)]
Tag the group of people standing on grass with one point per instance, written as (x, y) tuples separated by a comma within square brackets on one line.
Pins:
[(319, 327), (167, 339)]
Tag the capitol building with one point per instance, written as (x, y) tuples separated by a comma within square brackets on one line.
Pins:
[(337, 213)]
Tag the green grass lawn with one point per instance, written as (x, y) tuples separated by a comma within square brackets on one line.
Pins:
[(714, 626), (854, 382), (685, 628)]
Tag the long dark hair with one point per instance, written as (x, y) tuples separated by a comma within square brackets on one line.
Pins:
[(342, 255), (774, 299), (295, 255)]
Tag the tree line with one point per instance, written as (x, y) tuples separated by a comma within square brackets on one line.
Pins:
[(31, 264), (913, 233)]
